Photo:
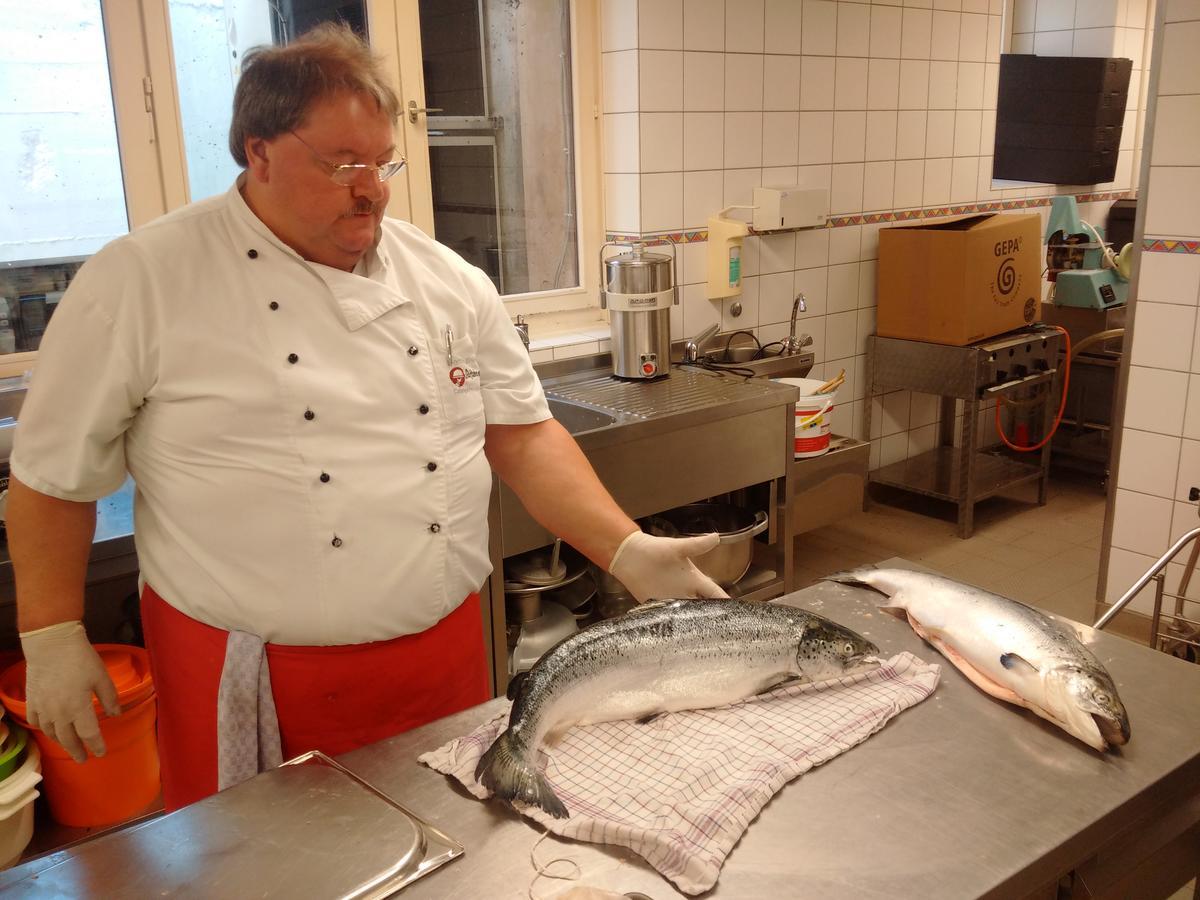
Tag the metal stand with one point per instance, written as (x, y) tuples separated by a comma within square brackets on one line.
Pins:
[(964, 474)]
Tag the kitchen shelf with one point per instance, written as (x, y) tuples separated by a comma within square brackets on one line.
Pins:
[(937, 473)]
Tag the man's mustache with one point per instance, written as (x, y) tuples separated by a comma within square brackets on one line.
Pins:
[(364, 207)]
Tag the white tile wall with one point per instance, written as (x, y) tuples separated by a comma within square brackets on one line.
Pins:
[(888, 105), (1160, 444)]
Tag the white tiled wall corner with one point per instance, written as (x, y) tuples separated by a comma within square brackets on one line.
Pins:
[(1155, 400), (1149, 463), (1162, 335), (1177, 130), (1171, 200), (1180, 72), (622, 203), (618, 25), (1141, 522)]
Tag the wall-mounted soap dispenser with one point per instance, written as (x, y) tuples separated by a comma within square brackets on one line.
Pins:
[(725, 237)]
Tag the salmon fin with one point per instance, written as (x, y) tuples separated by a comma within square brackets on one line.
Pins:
[(1015, 660), (514, 685), (898, 611), (510, 775), (775, 685), (649, 717), (988, 685), (854, 577)]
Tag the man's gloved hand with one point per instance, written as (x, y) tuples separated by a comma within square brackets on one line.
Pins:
[(62, 671), (660, 568)]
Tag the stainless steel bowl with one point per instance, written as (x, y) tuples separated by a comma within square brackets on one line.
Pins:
[(730, 559)]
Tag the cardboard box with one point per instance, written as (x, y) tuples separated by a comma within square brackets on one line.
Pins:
[(962, 280)]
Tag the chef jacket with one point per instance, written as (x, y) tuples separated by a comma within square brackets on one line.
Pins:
[(307, 443)]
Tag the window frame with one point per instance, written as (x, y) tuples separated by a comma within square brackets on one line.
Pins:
[(585, 83), (150, 143), (143, 146)]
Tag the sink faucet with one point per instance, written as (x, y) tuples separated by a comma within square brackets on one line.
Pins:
[(792, 344), (691, 347), (523, 331)]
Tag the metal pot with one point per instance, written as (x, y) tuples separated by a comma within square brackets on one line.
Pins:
[(730, 559)]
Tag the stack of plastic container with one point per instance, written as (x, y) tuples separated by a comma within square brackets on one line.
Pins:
[(20, 772)]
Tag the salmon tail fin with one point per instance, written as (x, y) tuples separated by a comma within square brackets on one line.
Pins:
[(509, 774)]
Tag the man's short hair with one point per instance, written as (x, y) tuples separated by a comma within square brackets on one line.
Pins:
[(280, 84)]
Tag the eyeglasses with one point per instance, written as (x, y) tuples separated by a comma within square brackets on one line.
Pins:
[(347, 174)]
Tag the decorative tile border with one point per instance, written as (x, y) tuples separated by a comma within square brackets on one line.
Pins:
[(1169, 245), (903, 215)]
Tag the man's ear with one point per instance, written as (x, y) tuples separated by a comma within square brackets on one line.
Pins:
[(258, 159)]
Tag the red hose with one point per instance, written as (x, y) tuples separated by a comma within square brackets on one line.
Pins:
[(1061, 406)]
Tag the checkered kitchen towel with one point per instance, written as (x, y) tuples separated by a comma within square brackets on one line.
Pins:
[(680, 790)]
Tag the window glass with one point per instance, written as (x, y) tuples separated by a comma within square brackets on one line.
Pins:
[(209, 40), (501, 138), (64, 196)]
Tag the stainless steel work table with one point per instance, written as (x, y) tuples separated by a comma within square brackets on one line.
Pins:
[(960, 796)]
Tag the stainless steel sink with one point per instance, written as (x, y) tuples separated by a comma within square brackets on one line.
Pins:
[(795, 365), (578, 419)]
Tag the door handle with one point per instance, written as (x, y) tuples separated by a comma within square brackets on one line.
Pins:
[(414, 110)]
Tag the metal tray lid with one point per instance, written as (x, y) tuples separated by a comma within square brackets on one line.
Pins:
[(309, 828)]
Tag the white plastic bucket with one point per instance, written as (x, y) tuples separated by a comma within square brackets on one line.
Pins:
[(813, 412), (17, 794)]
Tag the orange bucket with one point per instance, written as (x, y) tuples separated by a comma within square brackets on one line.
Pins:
[(122, 783)]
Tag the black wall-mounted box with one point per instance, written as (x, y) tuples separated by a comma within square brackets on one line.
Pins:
[(1059, 118)]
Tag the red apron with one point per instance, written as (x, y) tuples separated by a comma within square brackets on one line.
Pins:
[(332, 699)]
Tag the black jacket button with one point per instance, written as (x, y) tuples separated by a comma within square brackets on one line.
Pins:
[(273, 305), (413, 351), (435, 528), (324, 478), (309, 414), (293, 358), (253, 254), (431, 466), (423, 409), (337, 541)]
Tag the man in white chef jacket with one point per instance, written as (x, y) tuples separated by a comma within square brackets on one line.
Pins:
[(308, 396)]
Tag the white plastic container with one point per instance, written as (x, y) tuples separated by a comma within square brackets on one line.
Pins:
[(813, 414), (17, 793)]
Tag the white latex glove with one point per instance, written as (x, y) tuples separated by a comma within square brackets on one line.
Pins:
[(62, 671), (660, 568)]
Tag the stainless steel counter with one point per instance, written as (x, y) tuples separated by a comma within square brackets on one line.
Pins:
[(961, 796)]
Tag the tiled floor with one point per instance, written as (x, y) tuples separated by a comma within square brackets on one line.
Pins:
[(1047, 556)]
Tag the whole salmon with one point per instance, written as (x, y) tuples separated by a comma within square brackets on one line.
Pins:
[(1007, 649), (660, 657)]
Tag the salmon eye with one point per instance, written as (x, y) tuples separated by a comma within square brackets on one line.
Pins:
[(848, 648)]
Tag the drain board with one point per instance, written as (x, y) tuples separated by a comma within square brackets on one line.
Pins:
[(681, 392)]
